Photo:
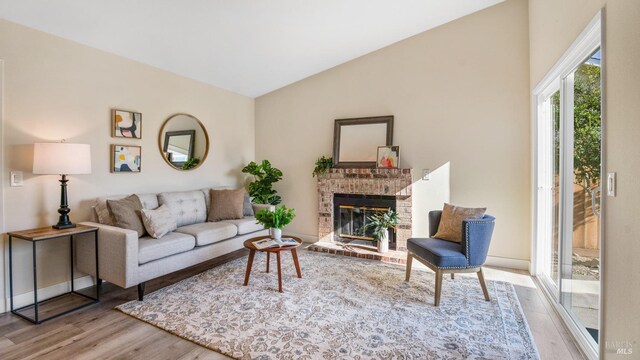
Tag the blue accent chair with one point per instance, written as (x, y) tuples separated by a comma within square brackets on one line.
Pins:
[(444, 257)]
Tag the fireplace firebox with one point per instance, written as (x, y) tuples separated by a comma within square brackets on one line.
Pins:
[(352, 211)]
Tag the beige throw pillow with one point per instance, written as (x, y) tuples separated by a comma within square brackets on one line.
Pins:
[(103, 214), (126, 214), (158, 222), (450, 227), (226, 204)]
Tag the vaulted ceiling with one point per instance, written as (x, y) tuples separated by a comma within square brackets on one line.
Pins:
[(250, 47)]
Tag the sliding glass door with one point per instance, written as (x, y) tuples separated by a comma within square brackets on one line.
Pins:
[(568, 179)]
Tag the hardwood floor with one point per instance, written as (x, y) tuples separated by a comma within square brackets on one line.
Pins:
[(100, 332)]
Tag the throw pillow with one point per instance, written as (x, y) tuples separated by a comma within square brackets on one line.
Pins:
[(247, 208), (158, 222), (103, 214), (126, 213), (450, 227), (226, 204)]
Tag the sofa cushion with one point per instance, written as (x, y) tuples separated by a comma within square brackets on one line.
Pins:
[(450, 227), (187, 207), (226, 204), (245, 225), (209, 232), (150, 249), (126, 214), (158, 222), (441, 253)]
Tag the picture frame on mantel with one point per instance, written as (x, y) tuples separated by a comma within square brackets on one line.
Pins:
[(388, 157), (356, 140)]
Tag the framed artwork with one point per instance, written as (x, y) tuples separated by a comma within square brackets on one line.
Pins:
[(126, 158), (388, 157), (126, 124)]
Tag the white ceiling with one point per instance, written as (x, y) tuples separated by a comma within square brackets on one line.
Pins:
[(250, 47)]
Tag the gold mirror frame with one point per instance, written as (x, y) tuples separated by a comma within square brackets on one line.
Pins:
[(161, 142)]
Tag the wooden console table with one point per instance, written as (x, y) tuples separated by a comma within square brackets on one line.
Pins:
[(43, 234)]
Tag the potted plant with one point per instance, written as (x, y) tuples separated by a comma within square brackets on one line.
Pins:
[(380, 223), (261, 189), (323, 165), (275, 220)]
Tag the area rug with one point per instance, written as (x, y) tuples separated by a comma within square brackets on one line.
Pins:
[(341, 308)]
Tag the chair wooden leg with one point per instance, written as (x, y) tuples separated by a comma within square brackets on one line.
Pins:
[(452, 276), (438, 287), (483, 285), (409, 262)]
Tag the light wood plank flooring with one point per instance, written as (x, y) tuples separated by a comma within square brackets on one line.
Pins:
[(99, 332)]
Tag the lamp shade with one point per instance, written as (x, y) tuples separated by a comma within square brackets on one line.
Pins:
[(61, 158)]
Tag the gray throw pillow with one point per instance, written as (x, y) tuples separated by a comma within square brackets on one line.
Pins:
[(247, 208), (126, 214), (158, 222)]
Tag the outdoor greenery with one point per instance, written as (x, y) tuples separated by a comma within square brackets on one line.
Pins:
[(323, 165), (381, 222), (278, 218), (261, 189), (587, 125)]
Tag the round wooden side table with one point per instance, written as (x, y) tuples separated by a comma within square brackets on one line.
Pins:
[(277, 250)]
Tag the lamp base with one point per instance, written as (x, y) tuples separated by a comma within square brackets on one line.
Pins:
[(64, 226)]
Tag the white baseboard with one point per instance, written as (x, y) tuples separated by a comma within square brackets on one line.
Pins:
[(509, 263), (45, 293)]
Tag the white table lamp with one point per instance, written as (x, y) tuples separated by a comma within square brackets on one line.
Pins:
[(62, 159)]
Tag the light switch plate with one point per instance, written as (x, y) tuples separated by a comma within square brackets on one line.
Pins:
[(611, 184), (16, 178)]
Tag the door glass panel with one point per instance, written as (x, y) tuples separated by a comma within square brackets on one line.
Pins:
[(582, 262), (555, 190)]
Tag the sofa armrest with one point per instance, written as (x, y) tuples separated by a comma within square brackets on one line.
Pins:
[(117, 255), (258, 207)]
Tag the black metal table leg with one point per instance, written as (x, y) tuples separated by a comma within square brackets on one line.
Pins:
[(11, 272), (35, 283)]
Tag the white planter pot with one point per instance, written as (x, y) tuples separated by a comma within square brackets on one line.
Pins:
[(277, 233), (383, 242)]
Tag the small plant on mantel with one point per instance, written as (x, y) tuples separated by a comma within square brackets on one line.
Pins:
[(323, 164)]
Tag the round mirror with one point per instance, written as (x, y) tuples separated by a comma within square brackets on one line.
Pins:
[(183, 142)]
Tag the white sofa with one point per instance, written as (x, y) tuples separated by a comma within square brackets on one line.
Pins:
[(126, 260)]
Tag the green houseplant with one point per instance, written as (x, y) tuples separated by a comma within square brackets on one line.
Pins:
[(275, 220), (380, 223), (323, 164), (261, 189), (191, 163)]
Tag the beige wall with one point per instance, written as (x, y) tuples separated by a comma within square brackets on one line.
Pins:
[(57, 89), (460, 97), (554, 25)]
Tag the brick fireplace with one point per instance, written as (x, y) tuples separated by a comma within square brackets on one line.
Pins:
[(364, 181)]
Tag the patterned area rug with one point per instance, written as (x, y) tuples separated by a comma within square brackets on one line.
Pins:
[(342, 308)]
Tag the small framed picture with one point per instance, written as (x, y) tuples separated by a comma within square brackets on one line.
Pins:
[(126, 158), (388, 157), (126, 124)]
